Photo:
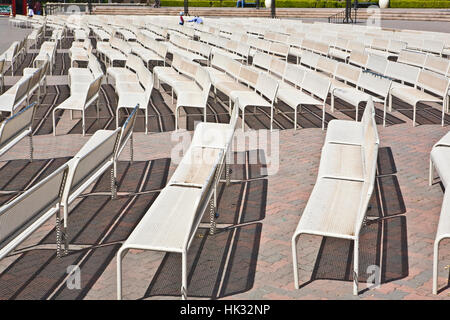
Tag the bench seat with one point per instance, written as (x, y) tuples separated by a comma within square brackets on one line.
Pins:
[(331, 208), (165, 225), (344, 132), (342, 161)]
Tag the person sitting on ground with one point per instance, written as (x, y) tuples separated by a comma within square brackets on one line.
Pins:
[(181, 18), (196, 19)]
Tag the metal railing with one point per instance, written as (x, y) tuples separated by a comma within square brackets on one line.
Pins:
[(341, 16), (83, 7)]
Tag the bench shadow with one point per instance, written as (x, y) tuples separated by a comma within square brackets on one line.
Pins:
[(230, 254), (383, 255), (349, 110), (425, 113), (97, 223), (223, 264)]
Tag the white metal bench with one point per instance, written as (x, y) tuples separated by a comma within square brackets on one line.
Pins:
[(173, 219), (81, 97), (439, 162), (23, 215), (338, 203), (17, 127), (433, 88)]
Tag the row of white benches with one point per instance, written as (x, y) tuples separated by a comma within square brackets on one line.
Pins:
[(24, 214)]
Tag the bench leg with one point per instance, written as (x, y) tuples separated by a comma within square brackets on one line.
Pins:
[(323, 116), (295, 118), (294, 259), (271, 117), (83, 123), (146, 120), (184, 276), (30, 137), (97, 106), (390, 102), (414, 115), (54, 123), (355, 267), (120, 254), (176, 118), (431, 174), (117, 117), (131, 148), (435, 266), (113, 181)]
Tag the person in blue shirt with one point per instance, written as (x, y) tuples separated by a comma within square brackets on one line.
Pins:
[(240, 2), (196, 19)]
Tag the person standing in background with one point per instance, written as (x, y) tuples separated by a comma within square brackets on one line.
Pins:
[(38, 8), (181, 18), (30, 8)]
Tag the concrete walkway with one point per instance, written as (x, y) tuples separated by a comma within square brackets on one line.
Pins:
[(9, 34)]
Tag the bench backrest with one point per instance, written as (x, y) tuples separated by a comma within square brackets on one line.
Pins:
[(296, 40), (35, 79), (434, 46), (133, 62), (120, 45), (358, 58), (327, 66), (379, 43), (279, 49), (375, 84), (294, 75), (316, 85), (377, 63), (310, 59), (2, 66), (22, 90), (242, 49), (396, 46), (94, 66), (248, 76), (355, 46), (403, 72), (267, 86), (278, 67), (433, 82), (16, 124), (308, 44), (347, 73), (200, 48), (203, 80), (126, 131), (369, 154), (321, 48), (262, 60), (25, 210), (87, 162), (412, 58), (436, 64)]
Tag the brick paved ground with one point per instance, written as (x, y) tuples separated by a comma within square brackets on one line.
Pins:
[(288, 191)]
